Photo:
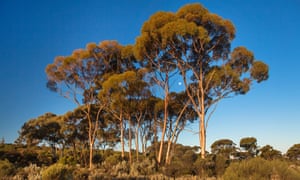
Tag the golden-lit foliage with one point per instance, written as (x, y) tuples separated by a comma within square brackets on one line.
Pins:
[(196, 39), (85, 68), (192, 43), (198, 44), (260, 71), (192, 12)]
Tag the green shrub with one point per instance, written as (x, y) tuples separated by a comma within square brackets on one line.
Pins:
[(6, 168), (204, 167), (144, 167), (112, 161), (68, 160), (57, 171), (258, 168)]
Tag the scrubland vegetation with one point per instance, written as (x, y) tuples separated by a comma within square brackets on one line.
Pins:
[(227, 162)]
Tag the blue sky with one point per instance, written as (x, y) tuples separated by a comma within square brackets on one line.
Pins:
[(32, 33)]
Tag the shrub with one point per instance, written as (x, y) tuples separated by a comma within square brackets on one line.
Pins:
[(6, 168), (204, 167), (57, 171), (283, 170), (32, 172), (67, 160), (121, 169), (81, 173), (112, 161), (145, 167), (258, 168)]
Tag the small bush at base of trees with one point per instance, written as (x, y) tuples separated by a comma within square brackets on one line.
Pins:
[(6, 168), (258, 168), (57, 171)]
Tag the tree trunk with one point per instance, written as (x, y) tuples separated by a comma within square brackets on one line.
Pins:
[(164, 129), (130, 141), (137, 142), (155, 135), (202, 136), (122, 137), (168, 160), (91, 155)]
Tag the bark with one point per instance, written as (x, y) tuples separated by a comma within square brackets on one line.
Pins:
[(137, 141), (122, 137), (166, 104), (130, 141), (202, 136)]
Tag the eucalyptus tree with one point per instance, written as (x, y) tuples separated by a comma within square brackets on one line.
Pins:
[(79, 76), (269, 153), (224, 147), (126, 94), (149, 51), (45, 129), (249, 144), (293, 153), (180, 114), (198, 44)]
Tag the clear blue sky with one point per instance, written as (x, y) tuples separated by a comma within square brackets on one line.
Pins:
[(32, 33)]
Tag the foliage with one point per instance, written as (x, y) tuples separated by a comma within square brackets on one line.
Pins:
[(269, 153), (258, 168), (145, 167), (223, 146), (197, 43), (293, 152), (112, 160), (57, 171), (249, 144), (120, 169), (204, 167), (6, 168), (32, 172)]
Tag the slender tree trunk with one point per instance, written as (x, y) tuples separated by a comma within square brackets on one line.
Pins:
[(122, 135), (202, 117), (130, 141), (137, 141), (202, 136), (91, 155), (168, 160), (155, 135), (91, 143), (164, 125)]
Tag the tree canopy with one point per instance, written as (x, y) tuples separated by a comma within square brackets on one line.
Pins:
[(197, 43), (120, 83)]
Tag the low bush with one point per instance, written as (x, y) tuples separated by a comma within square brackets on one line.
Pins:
[(258, 168), (57, 171), (6, 168), (144, 167), (32, 172)]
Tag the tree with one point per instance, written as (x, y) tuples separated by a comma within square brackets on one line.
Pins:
[(180, 113), (43, 129), (249, 144), (269, 153), (150, 53), (125, 93), (198, 44), (293, 153), (78, 77), (223, 146)]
